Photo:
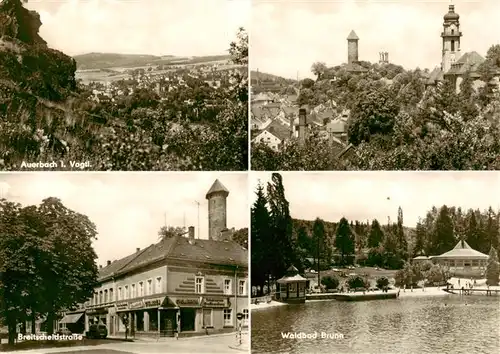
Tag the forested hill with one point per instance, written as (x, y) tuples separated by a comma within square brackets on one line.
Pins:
[(361, 229), (258, 75)]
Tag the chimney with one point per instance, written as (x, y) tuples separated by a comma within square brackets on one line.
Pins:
[(137, 250), (191, 234), (109, 262), (302, 125)]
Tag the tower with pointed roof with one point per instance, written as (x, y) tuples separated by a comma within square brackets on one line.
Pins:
[(352, 48), (217, 214), (451, 39)]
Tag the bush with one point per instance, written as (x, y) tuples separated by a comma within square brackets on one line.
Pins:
[(356, 281), (330, 282), (492, 268), (382, 282)]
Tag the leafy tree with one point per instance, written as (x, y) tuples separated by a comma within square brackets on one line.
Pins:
[(319, 69), (443, 238), (373, 114), (344, 240), (241, 237), (307, 83), (41, 273), (376, 235), (420, 236), (319, 244), (171, 231), (401, 238), (492, 268)]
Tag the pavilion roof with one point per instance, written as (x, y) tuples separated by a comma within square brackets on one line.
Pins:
[(464, 251)]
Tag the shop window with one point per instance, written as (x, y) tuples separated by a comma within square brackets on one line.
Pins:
[(207, 318), (228, 319), (200, 285), (227, 287)]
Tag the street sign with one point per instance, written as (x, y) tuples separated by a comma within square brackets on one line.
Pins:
[(239, 316)]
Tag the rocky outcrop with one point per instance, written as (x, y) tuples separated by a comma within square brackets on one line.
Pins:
[(25, 59), (37, 88)]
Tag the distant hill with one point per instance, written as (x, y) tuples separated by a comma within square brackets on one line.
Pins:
[(258, 75), (110, 60)]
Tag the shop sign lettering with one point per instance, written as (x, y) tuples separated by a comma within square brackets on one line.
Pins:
[(136, 305), (211, 302), (152, 302), (122, 306), (186, 302)]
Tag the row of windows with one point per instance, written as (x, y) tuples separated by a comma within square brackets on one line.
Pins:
[(148, 288), (228, 289), (128, 292)]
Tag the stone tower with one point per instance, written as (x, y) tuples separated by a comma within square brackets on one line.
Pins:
[(451, 39), (217, 215), (352, 48)]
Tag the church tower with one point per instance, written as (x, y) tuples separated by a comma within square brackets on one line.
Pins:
[(451, 39), (217, 214), (352, 48)]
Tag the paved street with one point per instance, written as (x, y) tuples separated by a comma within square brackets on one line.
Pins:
[(206, 344)]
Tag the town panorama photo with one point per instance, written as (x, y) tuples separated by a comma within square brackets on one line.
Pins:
[(375, 85), (123, 85)]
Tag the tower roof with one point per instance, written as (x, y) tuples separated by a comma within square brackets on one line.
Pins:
[(451, 15), (352, 36), (217, 187)]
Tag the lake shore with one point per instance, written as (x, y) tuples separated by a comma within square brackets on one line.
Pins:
[(266, 305)]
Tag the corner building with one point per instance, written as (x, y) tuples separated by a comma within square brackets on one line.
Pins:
[(181, 284)]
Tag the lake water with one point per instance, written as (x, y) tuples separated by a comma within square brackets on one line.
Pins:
[(469, 324)]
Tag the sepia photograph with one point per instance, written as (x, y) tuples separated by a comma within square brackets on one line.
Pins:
[(375, 85), (375, 262), (108, 85), (111, 263)]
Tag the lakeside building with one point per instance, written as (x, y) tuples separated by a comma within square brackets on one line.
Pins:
[(462, 260), (292, 287), (181, 284)]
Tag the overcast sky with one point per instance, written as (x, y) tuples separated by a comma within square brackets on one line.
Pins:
[(157, 27), (289, 36), (129, 209), (363, 195)]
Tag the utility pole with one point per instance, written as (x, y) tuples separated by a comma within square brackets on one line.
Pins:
[(198, 203)]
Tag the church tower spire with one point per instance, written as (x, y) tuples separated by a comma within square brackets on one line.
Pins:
[(451, 39)]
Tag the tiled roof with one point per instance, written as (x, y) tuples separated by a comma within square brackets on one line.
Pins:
[(435, 75), (217, 187), (470, 62), (279, 130), (179, 248)]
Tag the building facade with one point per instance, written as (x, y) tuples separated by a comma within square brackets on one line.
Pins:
[(181, 285)]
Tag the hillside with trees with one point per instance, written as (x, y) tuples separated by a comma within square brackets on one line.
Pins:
[(279, 241), (397, 123)]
